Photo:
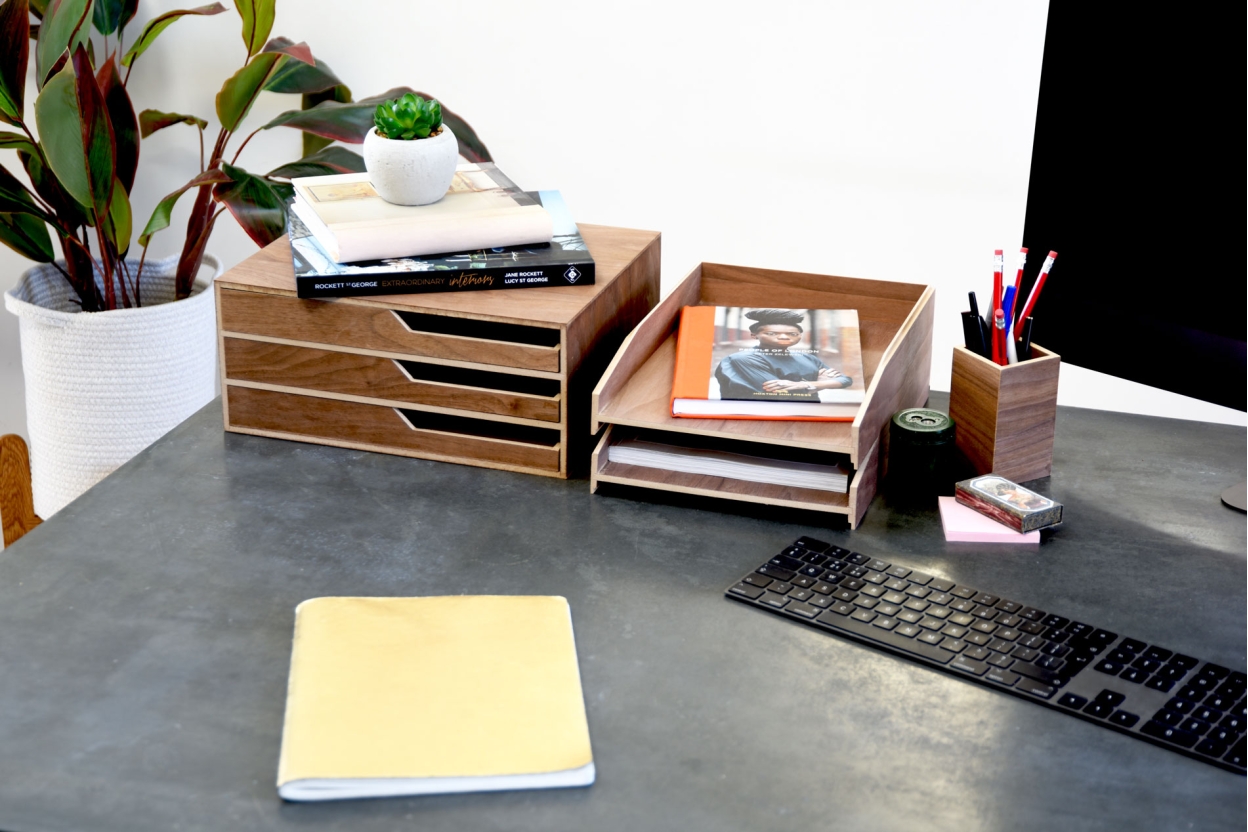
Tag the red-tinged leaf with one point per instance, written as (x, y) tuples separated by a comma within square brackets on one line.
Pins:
[(331, 160), (299, 51), (14, 198), (28, 236), (242, 88), (159, 24), (300, 77), (68, 213), (254, 203), (18, 142), (121, 116), (39, 8), (341, 93), (65, 27), (164, 209), (152, 120), (80, 268), (257, 18), (15, 35), (97, 134), (119, 224), (470, 145)]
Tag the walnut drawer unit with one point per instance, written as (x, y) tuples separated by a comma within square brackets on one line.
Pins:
[(633, 397), (500, 379)]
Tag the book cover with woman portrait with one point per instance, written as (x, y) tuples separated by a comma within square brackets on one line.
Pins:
[(736, 362)]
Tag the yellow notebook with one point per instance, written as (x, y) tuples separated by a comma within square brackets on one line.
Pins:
[(406, 696)]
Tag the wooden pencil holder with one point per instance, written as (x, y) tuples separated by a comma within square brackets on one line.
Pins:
[(1005, 416)]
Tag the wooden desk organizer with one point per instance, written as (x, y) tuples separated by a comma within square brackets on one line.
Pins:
[(1004, 416), (633, 397), (500, 379)]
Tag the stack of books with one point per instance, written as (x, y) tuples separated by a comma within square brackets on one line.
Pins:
[(485, 233)]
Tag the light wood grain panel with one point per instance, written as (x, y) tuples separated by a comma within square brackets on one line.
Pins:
[(374, 428), (17, 503), (639, 345), (336, 323), (613, 249), (1006, 416), (877, 300), (371, 377), (723, 488), (864, 486)]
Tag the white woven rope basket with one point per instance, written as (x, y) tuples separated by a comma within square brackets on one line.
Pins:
[(102, 386)]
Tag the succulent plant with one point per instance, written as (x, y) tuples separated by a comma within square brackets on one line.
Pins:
[(408, 117)]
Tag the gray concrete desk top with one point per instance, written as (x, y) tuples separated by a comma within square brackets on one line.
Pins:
[(145, 640)]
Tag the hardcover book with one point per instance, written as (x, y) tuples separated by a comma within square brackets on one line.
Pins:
[(407, 696), (482, 208), (751, 363), (564, 261)]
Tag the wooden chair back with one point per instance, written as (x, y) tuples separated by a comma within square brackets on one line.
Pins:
[(17, 504)]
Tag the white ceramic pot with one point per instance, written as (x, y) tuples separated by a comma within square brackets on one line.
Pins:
[(102, 386), (413, 172)]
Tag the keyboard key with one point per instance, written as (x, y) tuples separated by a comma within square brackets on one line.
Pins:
[(1196, 726), (1216, 671), (852, 584), (1192, 693), (953, 645), (776, 572), (986, 599), (940, 598), (941, 585), (1058, 650), (986, 613), (874, 577), (931, 638), (976, 637), (821, 601), (897, 585), (1056, 635), (838, 552), (1031, 628), (1032, 671), (1106, 666), (1207, 714), (931, 623), (804, 582), (1125, 719), (965, 592), (977, 652), (1174, 735), (757, 580), (1000, 645), (908, 630), (1103, 637), (811, 571), (893, 597), (854, 571), (1034, 642), (1071, 700), (916, 605), (1034, 687), (786, 562), (984, 626), (1132, 674), (878, 565), (1168, 718), (1008, 620), (781, 588), (1185, 662), (969, 665), (1111, 697), (888, 609), (1235, 722), (865, 616), (842, 608), (1032, 614), (1217, 700), (873, 591), (799, 594), (824, 589), (844, 595), (750, 592), (1100, 710), (815, 559), (865, 602), (1236, 755), (1133, 646), (885, 623), (1213, 748), (773, 600), (1056, 621), (910, 616), (1001, 677), (954, 631), (963, 605), (1008, 606), (1147, 665), (1025, 654), (998, 660), (917, 591), (812, 544), (1158, 683), (1008, 634), (1180, 706), (1078, 628), (939, 612), (855, 558), (921, 578), (898, 571), (804, 610), (1172, 672), (961, 619), (1221, 734)]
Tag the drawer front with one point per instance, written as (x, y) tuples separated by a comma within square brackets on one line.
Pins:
[(353, 374), (371, 328), (380, 428)]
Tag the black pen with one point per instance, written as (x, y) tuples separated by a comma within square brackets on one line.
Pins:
[(1024, 345)]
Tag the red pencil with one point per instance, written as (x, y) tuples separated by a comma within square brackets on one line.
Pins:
[(998, 338), (1035, 290), (1018, 283), (998, 266)]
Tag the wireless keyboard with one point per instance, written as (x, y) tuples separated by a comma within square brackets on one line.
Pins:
[(1178, 702)]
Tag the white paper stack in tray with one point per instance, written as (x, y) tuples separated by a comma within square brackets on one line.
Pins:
[(734, 466)]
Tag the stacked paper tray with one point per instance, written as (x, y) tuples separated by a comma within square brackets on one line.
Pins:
[(633, 398), (499, 379)]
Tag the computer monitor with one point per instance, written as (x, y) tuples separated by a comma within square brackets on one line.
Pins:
[(1133, 154)]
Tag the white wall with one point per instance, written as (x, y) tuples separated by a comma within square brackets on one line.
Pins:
[(889, 140)]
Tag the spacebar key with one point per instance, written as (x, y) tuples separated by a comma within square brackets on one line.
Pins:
[(899, 642)]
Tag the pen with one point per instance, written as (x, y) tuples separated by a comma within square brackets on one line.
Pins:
[(1035, 290), (1007, 306), (973, 333), (1024, 345), (998, 264), (1018, 287)]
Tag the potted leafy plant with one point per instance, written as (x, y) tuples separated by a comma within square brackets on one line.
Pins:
[(410, 153), (118, 349)]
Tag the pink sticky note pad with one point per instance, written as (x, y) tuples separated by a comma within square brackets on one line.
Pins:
[(966, 525)]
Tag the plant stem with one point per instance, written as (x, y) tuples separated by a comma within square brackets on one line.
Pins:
[(239, 152)]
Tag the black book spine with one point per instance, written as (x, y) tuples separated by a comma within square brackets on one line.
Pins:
[(469, 280)]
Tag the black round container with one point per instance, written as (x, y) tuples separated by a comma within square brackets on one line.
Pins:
[(920, 455)]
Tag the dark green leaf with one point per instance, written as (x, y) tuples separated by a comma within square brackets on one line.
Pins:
[(241, 90), (56, 115), (17, 141), (470, 145), (254, 203), (110, 15), (342, 94), (67, 212), (159, 24), (330, 160), (39, 8), (301, 78), (336, 121), (81, 268), (257, 18), (15, 35), (121, 116), (152, 120), (28, 236), (14, 198), (164, 208), (97, 134), (64, 29)]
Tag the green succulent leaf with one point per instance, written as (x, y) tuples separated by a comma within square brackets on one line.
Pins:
[(121, 117), (159, 24), (257, 18), (152, 120), (111, 15), (331, 160), (28, 236), (64, 29), (408, 117), (164, 209), (255, 203), (243, 87), (15, 35)]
